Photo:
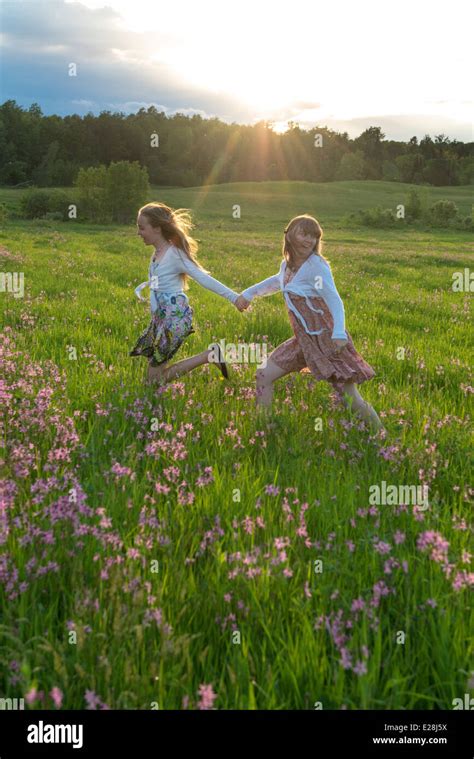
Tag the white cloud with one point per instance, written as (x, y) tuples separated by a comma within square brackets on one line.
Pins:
[(348, 63)]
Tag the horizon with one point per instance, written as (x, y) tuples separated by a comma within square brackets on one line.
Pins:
[(270, 125)]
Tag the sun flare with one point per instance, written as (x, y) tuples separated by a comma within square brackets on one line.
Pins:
[(301, 62)]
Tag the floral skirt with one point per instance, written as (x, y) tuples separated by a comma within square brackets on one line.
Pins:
[(170, 325)]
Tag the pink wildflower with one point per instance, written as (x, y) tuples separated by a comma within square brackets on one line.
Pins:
[(207, 696), (57, 696)]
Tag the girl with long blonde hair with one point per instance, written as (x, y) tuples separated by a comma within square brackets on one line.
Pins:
[(174, 260)]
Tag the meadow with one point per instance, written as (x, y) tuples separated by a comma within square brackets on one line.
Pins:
[(161, 548)]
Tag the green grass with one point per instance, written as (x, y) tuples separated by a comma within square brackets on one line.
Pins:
[(396, 287), (326, 200)]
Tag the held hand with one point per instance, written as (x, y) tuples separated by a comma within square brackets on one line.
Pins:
[(241, 303), (339, 344)]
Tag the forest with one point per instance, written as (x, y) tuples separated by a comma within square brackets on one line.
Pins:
[(187, 151)]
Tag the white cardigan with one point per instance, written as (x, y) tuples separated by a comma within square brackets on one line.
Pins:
[(166, 276), (312, 280)]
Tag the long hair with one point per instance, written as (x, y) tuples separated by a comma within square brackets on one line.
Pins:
[(305, 223), (175, 227)]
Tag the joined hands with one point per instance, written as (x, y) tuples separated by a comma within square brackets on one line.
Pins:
[(241, 303)]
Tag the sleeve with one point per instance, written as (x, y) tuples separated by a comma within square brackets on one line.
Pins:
[(265, 287), (190, 268), (328, 292)]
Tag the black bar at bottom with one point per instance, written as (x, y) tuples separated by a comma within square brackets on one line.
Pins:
[(152, 733)]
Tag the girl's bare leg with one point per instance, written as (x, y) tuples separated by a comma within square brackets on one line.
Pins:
[(353, 400), (265, 379), (165, 373)]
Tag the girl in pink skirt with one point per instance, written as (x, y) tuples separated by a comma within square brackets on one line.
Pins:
[(320, 345)]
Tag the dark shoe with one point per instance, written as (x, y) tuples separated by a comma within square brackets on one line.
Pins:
[(221, 363)]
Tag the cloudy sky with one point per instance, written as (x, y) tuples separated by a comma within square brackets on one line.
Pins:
[(403, 65)]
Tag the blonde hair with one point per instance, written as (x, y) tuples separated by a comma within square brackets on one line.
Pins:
[(307, 224), (175, 227)]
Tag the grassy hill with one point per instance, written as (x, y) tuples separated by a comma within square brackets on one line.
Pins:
[(331, 200)]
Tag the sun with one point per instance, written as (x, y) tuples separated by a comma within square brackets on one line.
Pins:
[(307, 62)]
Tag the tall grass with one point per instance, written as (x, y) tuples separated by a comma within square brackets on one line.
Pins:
[(164, 548)]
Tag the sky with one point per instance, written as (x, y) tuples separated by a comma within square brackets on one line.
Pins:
[(404, 65)]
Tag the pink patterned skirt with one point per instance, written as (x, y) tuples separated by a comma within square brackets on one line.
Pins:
[(315, 353)]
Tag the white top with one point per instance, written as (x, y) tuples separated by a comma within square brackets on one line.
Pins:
[(312, 280), (166, 276)]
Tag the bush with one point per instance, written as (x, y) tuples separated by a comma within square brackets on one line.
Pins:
[(442, 213), (92, 201), (376, 217), (465, 223), (127, 189), (413, 205), (36, 203), (112, 194)]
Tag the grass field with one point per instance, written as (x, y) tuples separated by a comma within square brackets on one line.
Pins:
[(165, 549)]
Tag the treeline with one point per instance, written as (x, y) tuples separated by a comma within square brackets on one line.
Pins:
[(188, 151)]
